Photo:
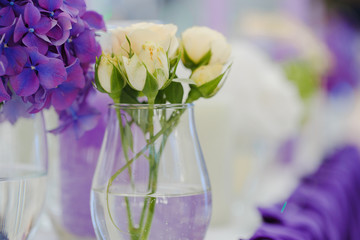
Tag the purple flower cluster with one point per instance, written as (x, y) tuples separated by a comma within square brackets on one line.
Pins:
[(325, 206), (47, 49)]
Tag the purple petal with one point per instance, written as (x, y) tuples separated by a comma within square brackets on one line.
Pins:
[(16, 58), (16, 108), (3, 65), (85, 123), (37, 58), (31, 15), (74, 7), (75, 74), (31, 40), (20, 29), (40, 100), (78, 27), (85, 47), (95, 20), (4, 95), (7, 16), (50, 5), (61, 32), (26, 83), (43, 37), (63, 96), (44, 25), (52, 73)]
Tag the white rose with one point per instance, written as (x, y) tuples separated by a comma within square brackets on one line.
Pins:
[(151, 45), (206, 73), (197, 41), (104, 72), (163, 35)]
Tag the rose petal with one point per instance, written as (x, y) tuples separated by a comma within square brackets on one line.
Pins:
[(75, 74), (31, 15), (31, 40), (94, 19), (16, 58), (50, 5), (52, 73), (20, 29), (7, 16), (26, 83)]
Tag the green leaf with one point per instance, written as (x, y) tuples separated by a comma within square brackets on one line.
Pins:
[(160, 98), (151, 87), (194, 94), (205, 59), (131, 53), (97, 82), (209, 89), (129, 95), (191, 64), (117, 81), (174, 92), (184, 80), (172, 71), (187, 60)]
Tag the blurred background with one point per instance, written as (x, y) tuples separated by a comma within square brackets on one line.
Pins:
[(291, 97)]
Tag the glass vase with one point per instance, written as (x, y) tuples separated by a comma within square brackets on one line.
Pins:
[(151, 180), (23, 172), (73, 171)]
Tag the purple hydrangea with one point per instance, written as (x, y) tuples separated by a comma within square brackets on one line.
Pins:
[(47, 50)]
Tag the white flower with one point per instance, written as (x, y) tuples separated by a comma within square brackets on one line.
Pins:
[(206, 73), (162, 34), (104, 72), (155, 59), (197, 41), (135, 71), (145, 46)]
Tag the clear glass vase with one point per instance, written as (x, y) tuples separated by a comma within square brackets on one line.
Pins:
[(151, 180), (23, 173)]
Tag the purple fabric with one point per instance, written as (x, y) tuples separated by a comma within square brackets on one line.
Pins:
[(325, 206)]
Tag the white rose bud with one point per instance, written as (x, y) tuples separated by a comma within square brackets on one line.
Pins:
[(136, 72), (104, 72), (205, 74), (197, 41), (155, 59)]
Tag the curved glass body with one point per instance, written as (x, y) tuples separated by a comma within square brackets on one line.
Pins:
[(151, 181), (23, 175)]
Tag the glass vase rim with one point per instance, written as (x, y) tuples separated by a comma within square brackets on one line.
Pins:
[(151, 106)]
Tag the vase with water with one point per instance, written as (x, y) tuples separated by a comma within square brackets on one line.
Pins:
[(151, 180)]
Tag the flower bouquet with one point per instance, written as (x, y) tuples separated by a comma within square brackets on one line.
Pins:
[(151, 164)]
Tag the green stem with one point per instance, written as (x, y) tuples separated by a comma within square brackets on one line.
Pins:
[(150, 202)]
